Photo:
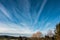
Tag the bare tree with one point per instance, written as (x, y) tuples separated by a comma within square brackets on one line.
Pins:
[(37, 34), (50, 33)]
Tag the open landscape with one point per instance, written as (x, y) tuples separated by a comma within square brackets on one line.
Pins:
[(29, 19)]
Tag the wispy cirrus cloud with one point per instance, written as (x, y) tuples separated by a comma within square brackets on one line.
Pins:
[(24, 16), (39, 12), (4, 11)]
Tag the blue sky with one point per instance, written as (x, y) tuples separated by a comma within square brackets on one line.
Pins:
[(28, 16)]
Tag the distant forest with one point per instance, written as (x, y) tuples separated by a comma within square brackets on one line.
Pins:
[(56, 36)]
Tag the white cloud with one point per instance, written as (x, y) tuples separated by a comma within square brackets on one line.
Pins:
[(13, 28)]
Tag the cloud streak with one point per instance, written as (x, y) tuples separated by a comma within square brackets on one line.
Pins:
[(6, 13), (41, 9)]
